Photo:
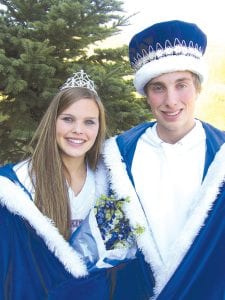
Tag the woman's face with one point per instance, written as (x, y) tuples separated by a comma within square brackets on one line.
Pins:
[(77, 128)]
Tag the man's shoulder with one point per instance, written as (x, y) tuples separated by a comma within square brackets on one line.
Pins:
[(212, 131), (127, 140)]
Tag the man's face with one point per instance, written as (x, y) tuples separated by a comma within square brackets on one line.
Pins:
[(172, 98)]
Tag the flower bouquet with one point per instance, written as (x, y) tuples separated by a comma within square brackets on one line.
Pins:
[(113, 224)]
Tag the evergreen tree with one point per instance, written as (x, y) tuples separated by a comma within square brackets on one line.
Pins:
[(42, 42)]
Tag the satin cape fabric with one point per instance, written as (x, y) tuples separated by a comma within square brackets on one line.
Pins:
[(201, 273)]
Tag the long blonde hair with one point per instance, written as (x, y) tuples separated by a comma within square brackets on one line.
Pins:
[(46, 166)]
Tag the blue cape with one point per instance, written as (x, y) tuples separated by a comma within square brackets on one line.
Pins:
[(201, 273)]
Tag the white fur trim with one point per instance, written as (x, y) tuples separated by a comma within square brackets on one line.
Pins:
[(18, 202), (168, 64), (101, 180), (203, 204), (123, 187)]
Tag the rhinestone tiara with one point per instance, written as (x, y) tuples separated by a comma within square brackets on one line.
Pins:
[(79, 79)]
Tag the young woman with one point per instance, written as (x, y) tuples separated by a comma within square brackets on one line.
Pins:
[(63, 230), (45, 199)]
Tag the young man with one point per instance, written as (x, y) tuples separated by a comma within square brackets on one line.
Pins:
[(173, 170)]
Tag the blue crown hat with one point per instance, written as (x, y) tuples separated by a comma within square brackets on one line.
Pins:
[(167, 47)]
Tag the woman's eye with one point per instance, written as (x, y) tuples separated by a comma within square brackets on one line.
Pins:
[(67, 119), (89, 122)]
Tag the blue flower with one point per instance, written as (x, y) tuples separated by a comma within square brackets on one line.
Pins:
[(113, 224)]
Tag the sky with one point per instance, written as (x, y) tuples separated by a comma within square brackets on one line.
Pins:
[(209, 15)]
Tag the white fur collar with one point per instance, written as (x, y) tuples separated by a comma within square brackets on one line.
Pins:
[(123, 187), (18, 202)]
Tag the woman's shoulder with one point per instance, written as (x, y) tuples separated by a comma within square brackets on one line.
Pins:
[(11, 169), (12, 175)]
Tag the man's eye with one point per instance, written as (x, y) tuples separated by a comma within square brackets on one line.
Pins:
[(157, 88), (181, 85)]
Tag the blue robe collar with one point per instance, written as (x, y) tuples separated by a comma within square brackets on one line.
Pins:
[(127, 143)]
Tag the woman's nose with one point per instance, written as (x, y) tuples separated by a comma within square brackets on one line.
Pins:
[(77, 128)]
